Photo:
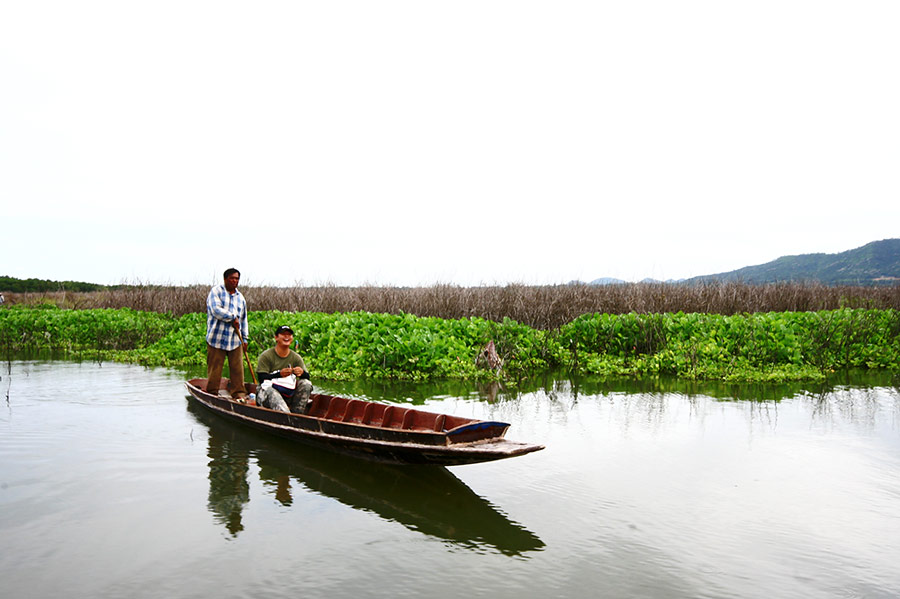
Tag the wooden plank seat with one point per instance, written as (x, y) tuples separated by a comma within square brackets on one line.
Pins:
[(393, 417), (336, 408), (319, 406), (355, 411), (439, 423), (374, 414)]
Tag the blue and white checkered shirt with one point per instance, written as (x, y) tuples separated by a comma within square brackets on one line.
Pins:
[(221, 309)]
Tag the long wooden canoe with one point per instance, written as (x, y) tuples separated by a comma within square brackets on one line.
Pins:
[(429, 500), (372, 430)]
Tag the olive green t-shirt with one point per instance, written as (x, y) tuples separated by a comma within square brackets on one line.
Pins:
[(269, 361)]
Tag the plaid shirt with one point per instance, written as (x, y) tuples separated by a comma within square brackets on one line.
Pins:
[(221, 309)]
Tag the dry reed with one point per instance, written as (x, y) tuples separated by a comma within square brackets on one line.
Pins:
[(543, 307)]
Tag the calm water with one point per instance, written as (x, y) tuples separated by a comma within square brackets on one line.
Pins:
[(112, 484)]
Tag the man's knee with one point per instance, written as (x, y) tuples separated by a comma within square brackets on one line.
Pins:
[(270, 398), (300, 402)]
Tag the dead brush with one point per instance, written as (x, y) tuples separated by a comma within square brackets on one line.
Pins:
[(544, 307)]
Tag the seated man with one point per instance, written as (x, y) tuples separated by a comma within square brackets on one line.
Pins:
[(282, 376)]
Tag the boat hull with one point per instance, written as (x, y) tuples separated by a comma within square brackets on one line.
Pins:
[(470, 442)]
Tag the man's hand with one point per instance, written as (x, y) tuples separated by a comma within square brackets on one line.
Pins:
[(288, 371)]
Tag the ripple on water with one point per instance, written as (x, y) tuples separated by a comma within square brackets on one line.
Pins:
[(637, 494)]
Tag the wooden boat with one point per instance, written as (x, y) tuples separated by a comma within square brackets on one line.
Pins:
[(428, 500), (372, 430)]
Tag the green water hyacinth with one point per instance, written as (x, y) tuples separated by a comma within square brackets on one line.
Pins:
[(761, 346), (766, 346), (79, 331)]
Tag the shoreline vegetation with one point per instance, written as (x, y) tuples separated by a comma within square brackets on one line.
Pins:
[(729, 331)]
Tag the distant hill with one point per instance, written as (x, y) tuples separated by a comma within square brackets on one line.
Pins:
[(876, 263)]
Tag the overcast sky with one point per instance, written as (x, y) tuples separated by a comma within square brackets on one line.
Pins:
[(466, 142)]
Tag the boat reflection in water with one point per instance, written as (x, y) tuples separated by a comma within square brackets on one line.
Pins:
[(427, 499)]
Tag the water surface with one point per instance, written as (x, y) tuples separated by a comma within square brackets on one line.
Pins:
[(113, 484)]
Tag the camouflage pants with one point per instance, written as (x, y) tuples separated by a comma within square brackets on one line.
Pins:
[(272, 399)]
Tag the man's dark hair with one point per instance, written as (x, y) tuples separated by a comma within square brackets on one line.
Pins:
[(230, 272)]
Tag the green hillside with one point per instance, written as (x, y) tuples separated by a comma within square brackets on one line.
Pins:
[(876, 263)]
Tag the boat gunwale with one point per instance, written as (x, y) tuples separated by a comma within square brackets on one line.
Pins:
[(497, 444), (488, 448), (468, 424)]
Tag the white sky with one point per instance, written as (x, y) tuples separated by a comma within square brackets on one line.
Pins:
[(467, 142)]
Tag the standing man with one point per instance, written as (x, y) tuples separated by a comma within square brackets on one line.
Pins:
[(226, 335)]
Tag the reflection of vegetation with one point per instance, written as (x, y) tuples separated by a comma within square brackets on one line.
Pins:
[(561, 384), (427, 499), (860, 406), (345, 346)]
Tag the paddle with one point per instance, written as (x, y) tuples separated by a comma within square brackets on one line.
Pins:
[(237, 328)]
